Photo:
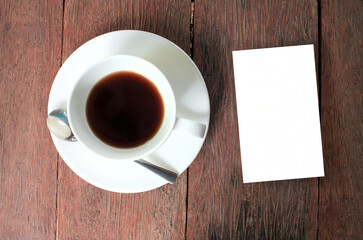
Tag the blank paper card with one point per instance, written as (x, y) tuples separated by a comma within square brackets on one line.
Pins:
[(278, 113)]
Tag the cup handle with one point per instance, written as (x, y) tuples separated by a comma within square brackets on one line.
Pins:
[(190, 127)]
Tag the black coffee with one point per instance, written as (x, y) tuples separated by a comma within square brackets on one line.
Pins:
[(124, 109)]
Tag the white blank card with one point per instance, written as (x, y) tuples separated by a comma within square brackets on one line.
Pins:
[(278, 113)]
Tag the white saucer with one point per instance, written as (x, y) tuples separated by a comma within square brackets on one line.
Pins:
[(192, 101)]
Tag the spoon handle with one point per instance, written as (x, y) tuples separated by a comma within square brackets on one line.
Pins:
[(168, 175)]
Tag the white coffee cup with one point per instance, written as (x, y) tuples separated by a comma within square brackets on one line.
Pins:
[(76, 108)]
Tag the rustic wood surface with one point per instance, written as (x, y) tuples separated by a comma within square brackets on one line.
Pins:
[(341, 200), (220, 206), (41, 198), (30, 44)]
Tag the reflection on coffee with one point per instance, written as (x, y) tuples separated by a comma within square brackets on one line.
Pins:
[(124, 109)]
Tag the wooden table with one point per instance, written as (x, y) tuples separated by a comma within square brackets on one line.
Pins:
[(41, 198)]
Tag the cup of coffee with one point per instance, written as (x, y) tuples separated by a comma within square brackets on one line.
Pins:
[(124, 108)]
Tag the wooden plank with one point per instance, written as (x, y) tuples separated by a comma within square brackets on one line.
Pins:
[(30, 47), (220, 206), (86, 212), (340, 205)]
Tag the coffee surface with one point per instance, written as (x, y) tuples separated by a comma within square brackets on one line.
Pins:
[(124, 109)]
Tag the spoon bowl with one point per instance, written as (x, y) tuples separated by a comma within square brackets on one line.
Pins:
[(58, 124)]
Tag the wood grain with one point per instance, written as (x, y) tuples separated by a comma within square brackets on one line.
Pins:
[(220, 206), (340, 206), (30, 47), (217, 205), (86, 212)]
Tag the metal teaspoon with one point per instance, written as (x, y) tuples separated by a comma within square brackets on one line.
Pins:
[(57, 122)]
